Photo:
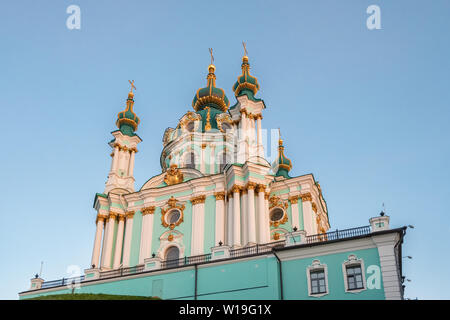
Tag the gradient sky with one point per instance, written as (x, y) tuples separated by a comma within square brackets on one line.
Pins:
[(367, 112)]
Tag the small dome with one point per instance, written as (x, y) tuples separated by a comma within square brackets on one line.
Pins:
[(246, 84), (210, 95), (284, 163), (127, 120)]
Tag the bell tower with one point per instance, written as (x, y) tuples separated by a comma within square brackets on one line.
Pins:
[(247, 114), (124, 147)]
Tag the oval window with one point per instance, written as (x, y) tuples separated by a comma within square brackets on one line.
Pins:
[(190, 126), (276, 214), (173, 216)]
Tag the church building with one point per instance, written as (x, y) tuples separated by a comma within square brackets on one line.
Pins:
[(221, 222)]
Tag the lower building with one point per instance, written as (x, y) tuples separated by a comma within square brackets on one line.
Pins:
[(358, 263)]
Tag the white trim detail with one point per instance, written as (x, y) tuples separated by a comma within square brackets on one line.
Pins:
[(316, 266), (352, 262)]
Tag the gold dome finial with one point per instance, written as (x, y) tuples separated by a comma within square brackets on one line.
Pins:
[(245, 57), (280, 141), (131, 94)]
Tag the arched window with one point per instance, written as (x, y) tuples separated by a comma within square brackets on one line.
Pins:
[(172, 256), (190, 160), (226, 127), (223, 161)]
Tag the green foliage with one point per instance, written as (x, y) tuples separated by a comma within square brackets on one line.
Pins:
[(90, 296)]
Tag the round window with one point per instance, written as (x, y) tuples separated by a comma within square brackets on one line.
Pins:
[(276, 214), (173, 216), (190, 126)]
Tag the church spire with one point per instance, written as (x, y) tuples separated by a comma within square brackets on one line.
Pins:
[(284, 163), (246, 83), (210, 96), (127, 120)]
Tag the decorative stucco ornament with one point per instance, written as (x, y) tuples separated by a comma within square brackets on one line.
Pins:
[(173, 175)]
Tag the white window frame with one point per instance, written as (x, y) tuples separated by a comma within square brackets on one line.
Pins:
[(316, 266), (354, 261)]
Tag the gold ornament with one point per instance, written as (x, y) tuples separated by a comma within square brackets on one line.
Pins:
[(172, 204), (173, 175)]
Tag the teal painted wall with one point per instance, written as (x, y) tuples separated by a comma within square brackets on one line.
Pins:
[(300, 213), (116, 226), (210, 224), (185, 228), (295, 279), (256, 278), (136, 239)]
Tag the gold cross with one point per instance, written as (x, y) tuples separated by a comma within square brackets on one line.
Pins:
[(245, 48), (212, 57), (132, 85)]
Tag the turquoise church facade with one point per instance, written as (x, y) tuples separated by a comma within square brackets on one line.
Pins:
[(221, 221)]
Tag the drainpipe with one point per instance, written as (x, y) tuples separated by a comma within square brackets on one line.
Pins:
[(281, 274), (195, 292)]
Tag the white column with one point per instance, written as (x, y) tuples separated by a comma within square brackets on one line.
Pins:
[(212, 161), (98, 240), (109, 240), (251, 217), (236, 216), (244, 214), (388, 262), (146, 233), (266, 217), (198, 225), (115, 159), (128, 235), (242, 145), (229, 227), (308, 215), (259, 135), (294, 210), (262, 225), (119, 242), (202, 159), (220, 219), (105, 234), (131, 163)]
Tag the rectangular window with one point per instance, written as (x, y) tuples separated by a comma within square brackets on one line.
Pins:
[(354, 278), (318, 282)]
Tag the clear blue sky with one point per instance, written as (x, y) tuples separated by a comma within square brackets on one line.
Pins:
[(366, 111)]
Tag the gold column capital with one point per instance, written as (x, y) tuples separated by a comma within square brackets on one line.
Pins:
[(121, 217), (293, 199), (314, 207), (148, 210), (267, 195), (260, 188), (306, 197), (198, 199), (219, 195), (101, 218), (129, 214), (236, 189), (251, 185), (112, 215)]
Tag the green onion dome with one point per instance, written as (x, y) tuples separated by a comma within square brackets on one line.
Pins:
[(127, 120), (210, 96), (284, 164), (246, 84)]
